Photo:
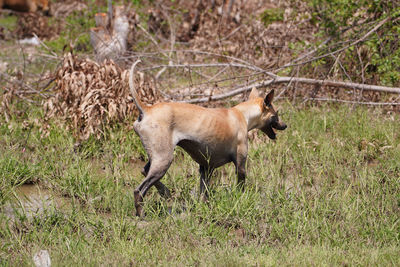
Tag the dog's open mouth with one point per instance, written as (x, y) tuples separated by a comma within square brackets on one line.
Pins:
[(270, 132), (269, 129)]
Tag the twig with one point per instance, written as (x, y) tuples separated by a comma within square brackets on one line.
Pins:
[(152, 39), (172, 37), (319, 46), (9, 79), (341, 49), (307, 54), (45, 46), (20, 95), (217, 74), (232, 33)]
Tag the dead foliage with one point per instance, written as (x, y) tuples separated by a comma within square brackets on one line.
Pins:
[(264, 34), (32, 23), (244, 30), (133, 20), (29, 24), (62, 9), (157, 22), (89, 95)]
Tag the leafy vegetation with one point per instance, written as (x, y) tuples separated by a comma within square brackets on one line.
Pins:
[(75, 32), (8, 22), (271, 15), (379, 57)]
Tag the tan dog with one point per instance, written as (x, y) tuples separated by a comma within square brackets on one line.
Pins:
[(211, 136), (25, 5)]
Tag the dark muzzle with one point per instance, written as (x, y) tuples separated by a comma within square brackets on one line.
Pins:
[(279, 125)]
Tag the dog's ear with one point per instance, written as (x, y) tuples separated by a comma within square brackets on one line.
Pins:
[(268, 99), (254, 93)]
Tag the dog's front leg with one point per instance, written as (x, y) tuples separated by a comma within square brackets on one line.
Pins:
[(205, 173), (240, 164)]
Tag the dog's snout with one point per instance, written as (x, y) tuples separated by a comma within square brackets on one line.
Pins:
[(280, 126)]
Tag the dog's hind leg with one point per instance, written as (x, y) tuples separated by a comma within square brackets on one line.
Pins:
[(146, 168), (161, 188), (158, 167)]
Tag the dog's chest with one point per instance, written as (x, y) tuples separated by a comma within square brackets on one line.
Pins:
[(208, 154)]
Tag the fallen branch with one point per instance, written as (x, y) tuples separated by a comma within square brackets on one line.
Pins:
[(353, 102), (237, 65), (279, 80), (28, 89), (20, 95), (46, 47)]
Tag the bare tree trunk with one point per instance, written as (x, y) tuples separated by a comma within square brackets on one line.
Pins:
[(228, 12), (110, 13), (109, 37)]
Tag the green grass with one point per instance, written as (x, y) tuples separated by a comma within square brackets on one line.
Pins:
[(325, 193), (8, 22), (271, 15)]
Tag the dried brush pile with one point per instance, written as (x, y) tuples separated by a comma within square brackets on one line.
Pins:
[(257, 31), (34, 23), (90, 96)]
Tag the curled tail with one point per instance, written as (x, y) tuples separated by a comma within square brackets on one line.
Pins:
[(134, 93)]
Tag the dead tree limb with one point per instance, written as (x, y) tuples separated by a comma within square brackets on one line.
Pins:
[(279, 80), (353, 102), (28, 89), (250, 67)]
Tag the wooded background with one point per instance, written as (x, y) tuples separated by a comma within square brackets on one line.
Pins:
[(200, 52)]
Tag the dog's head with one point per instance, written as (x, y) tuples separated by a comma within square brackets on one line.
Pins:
[(269, 119)]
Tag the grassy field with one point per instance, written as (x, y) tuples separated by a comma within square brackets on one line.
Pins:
[(327, 192)]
